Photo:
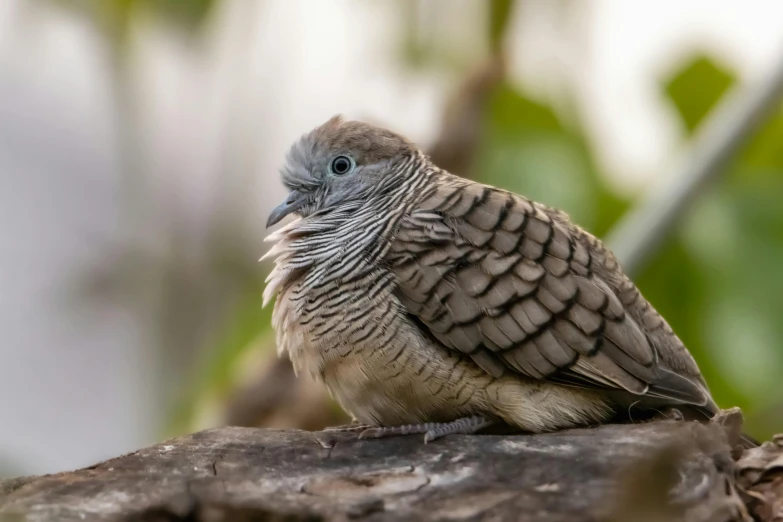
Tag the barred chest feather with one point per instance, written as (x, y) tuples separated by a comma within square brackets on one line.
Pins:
[(338, 318), (326, 292), (335, 312)]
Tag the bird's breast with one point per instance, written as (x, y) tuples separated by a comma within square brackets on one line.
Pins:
[(373, 359)]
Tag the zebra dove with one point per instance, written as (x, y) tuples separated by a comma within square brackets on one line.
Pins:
[(428, 303)]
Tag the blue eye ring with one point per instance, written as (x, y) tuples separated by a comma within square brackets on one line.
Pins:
[(341, 165)]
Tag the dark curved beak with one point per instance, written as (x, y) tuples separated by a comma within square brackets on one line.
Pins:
[(295, 201)]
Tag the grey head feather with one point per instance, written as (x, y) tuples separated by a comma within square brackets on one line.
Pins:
[(375, 154)]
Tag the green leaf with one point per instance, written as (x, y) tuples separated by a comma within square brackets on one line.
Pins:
[(527, 149), (187, 14), (499, 15), (114, 17), (216, 375), (696, 89), (765, 150)]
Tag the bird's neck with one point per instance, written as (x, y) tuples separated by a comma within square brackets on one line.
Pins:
[(321, 249), (346, 241)]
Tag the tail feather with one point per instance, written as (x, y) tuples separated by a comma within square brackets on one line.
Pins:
[(675, 387)]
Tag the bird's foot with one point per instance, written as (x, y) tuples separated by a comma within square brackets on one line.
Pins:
[(348, 428), (331, 435), (431, 430)]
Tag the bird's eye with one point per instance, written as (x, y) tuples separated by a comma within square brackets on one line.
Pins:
[(341, 165)]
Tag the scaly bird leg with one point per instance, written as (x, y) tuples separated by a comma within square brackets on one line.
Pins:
[(348, 428), (431, 430)]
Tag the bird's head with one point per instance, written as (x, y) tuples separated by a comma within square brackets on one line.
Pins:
[(339, 164)]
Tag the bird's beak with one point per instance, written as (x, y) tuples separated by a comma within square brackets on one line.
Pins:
[(293, 202)]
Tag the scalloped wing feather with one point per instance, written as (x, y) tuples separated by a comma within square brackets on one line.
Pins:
[(520, 289)]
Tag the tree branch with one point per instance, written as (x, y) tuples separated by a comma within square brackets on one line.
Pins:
[(639, 234), (656, 471)]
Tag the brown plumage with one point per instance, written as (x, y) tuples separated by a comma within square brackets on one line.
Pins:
[(421, 297)]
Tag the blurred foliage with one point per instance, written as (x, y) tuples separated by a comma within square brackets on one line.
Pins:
[(528, 150), (499, 16), (115, 17), (718, 281), (215, 377), (696, 89), (453, 52)]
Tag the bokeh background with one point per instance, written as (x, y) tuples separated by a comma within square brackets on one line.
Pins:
[(140, 142)]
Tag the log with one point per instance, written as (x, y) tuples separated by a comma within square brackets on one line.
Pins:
[(663, 470)]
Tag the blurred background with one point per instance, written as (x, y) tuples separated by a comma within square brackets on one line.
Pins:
[(140, 142)]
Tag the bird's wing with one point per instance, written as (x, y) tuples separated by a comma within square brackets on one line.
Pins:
[(518, 288)]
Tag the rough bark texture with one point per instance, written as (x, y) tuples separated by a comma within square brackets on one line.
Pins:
[(662, 470)]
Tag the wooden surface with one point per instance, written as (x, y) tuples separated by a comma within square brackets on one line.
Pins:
[(663, 470)]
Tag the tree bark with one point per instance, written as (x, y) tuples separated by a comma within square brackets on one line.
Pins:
[(663, 470)]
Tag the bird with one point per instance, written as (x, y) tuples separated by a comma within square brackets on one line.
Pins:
[(431, 304)]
